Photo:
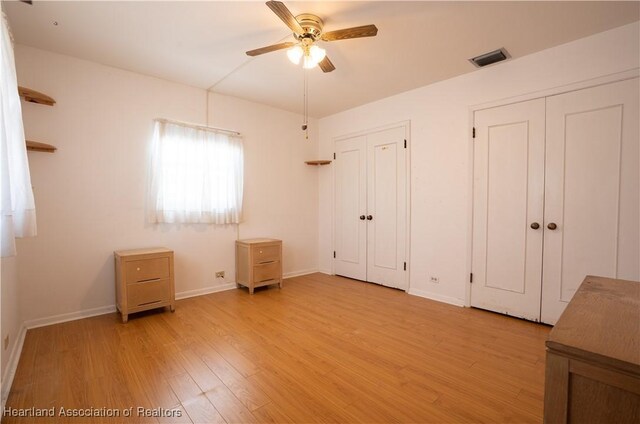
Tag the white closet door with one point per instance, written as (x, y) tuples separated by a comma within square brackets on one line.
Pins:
[(386, 210), (508, 197), (592, 190), (351, 208)]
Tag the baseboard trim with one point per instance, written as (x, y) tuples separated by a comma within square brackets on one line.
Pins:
[(12, 365), (299, 273), (207, 290), (437, 297), (71, 316), (87, 313)]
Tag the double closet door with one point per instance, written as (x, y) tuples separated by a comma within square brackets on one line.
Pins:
[(371, 207), (556, 198)]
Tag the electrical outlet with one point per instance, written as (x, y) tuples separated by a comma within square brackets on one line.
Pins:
[(435, 279), (5, 343), (220, 274)]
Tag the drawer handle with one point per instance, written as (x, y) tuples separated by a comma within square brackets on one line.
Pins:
[(138, 269), (267, 262), (268, 279), (149, 280), (150, 303), (261, 251)]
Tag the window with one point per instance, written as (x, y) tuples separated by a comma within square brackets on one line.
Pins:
[(196, 175), (18, 217)]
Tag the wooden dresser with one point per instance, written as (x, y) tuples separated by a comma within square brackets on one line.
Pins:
[(144, 280), (258, 263), (593, 356)]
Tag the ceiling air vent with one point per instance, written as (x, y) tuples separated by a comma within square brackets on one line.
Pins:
[(489, 58)]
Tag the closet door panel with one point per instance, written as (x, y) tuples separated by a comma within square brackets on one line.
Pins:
[(507, 181), (386, 200), (508, 199), (351, 204), (591, 190)]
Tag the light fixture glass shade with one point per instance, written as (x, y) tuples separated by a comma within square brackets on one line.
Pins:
[(308, 62), (313, 56), (317, 53), (295, 54)]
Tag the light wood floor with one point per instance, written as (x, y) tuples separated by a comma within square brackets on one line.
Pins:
[(322, 349)]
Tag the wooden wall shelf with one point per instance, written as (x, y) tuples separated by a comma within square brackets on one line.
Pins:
[(35, 146), (34, 96), (318, 162)]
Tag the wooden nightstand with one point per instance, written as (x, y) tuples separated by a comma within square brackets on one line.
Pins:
[(258, 263), (144, 280)]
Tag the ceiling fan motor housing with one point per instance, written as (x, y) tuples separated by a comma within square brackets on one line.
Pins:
[(311, 24)]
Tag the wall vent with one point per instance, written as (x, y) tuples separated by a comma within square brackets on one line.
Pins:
[(489, 58)]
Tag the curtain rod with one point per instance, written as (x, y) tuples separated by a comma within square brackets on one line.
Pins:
[(200, 127)]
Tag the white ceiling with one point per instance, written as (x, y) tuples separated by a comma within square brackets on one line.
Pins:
[(203, 43)]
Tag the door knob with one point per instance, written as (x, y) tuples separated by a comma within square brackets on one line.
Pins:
[(369, 217), (535, 225), (552, 226), (362, 217)]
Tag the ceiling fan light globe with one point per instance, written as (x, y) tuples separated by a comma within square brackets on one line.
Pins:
[(317, 53), (309, 62), (294, 54)]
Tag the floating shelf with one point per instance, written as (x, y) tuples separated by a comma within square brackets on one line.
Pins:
[(34, 96), (318, 162), (35, 146)]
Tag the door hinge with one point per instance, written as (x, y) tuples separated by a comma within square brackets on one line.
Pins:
[(471, 277), (405, 266), (405, 143), (473, 133), (334, 253), (334, 155)]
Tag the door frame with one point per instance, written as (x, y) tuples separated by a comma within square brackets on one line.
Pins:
[(407, 133), (554, 91)]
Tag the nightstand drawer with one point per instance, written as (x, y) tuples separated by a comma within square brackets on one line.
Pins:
[(141, 294), (147, 269), (270, 271), (262, 254)]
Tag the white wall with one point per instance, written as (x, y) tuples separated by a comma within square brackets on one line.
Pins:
[(281, 191), (90, 194), (440, 146)]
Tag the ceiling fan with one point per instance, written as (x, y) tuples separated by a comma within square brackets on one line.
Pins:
[(307, 30)]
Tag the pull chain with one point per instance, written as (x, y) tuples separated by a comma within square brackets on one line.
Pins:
[(305, 97)]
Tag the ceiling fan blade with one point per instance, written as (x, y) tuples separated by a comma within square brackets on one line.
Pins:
[(271, 48), (287, 17), (326, 65), (27, 1), (355, 32)]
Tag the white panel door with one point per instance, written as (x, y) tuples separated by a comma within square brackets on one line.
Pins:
[(351, 208), (508, 193), (386, 207), (371, 207), (592, 191)]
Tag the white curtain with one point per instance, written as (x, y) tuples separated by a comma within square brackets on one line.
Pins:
[(196, 175), (18, 209)]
